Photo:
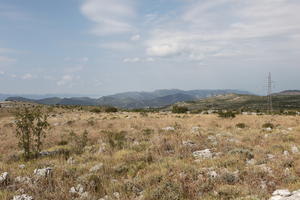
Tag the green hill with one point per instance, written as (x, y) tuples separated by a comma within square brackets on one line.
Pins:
[(243, 102)]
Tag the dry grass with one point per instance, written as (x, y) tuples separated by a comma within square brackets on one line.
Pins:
[(142, 161)]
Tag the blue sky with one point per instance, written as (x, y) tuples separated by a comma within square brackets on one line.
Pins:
[(102, 47)]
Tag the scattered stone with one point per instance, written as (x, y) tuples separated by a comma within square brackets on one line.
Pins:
[(4, 178), (290, 129), (282, 193), (96, 167), (195, 129), (189, 143), (270, 156), (286, 153), (22, 166), (71, 161), (211, 138), (79, 191), (287, 172), (269, 129), (23, 180), (294, 149), (168, 128), (251, 162), (45, 172), (212, 174), (206, 153), (23, 197), (116, 195), (265, 168), (102, 148)]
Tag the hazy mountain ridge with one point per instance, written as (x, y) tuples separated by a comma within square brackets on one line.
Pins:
[(131, 100)]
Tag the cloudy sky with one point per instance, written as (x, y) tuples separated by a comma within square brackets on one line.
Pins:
[(106, 46)]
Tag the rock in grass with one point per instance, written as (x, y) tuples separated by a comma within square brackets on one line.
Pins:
[(189, 143), (43, 173), (168, 128), (4, 178), (23, 197), (282, 192), (294, 149), (96, 167), (203, 154)]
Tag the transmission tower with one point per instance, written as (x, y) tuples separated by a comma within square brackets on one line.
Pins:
[(269, 95)]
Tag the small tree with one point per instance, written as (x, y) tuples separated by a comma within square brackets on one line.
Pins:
[(30, 129)]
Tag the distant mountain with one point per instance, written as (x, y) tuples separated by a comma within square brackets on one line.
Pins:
[(131, 100), (159, 98), (288, 92), (42, 96)]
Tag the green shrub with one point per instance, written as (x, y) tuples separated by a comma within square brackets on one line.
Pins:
[(116, 139), (78, 142), (268, 125), (111, 109), (228, 114), (30, 129), (168, 190), (179, 109), (96, 110), (240, 125)]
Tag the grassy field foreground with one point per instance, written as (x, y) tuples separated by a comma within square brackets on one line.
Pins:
[(132, 156)]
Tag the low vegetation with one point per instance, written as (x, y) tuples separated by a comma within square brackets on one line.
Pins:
[(147, 155)]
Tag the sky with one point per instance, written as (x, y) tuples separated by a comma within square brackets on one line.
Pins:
[(100, 47)]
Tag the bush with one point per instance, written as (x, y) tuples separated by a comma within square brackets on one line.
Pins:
[(78, 142), (228, 114), (96, 110), (268, 125), (240, 125), (30, 129), (116, 139), (179, 109), (168, 190), (111, 109)]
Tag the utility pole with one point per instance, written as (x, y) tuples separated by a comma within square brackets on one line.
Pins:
[(270, 103)]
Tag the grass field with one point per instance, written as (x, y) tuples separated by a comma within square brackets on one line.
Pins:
[(150, 157)]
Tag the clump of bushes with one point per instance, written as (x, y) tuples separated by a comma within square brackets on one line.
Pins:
[(228, 114), (78, 142), (268, 125), (241, 125), (167, 190), (111, 109), (116, 140), (179, 109), (96, 110)]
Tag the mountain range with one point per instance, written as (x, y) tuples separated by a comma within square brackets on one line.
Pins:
[(133, 100)]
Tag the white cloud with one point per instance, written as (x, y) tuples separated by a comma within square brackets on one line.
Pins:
[(131, 60), (135, 37), (223, 28), (110, 17), (116, 46), (84, 59), (65, 80), (5, 59), (137, 59), (27, 76)]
